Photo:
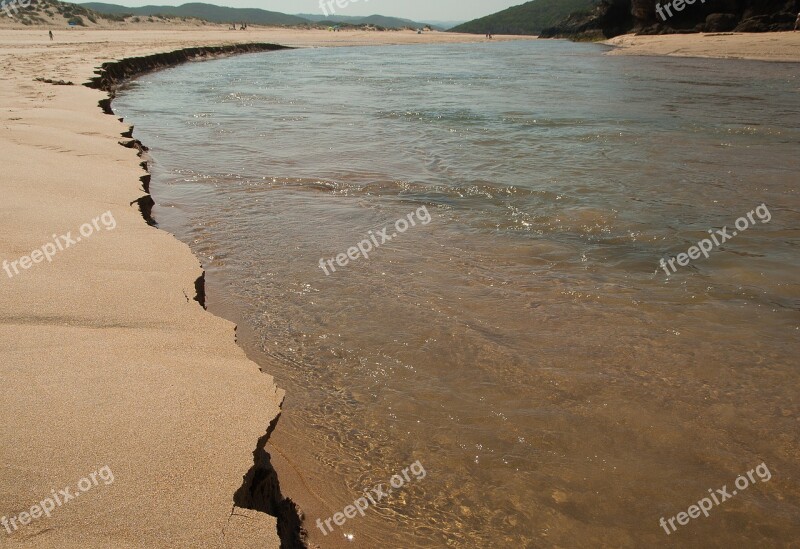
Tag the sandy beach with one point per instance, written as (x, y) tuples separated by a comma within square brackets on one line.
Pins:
[(111, 363), (771, 46)]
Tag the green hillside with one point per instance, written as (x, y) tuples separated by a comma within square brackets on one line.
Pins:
[(206, 12), (528, 18), (377, 20)]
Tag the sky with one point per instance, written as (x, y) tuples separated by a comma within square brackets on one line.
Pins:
[(442, 10)]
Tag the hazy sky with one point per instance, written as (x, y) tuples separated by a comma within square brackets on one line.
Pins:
[(443, 10)]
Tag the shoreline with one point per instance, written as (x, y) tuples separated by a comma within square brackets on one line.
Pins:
[(227, 511), (294, 514), (133, 369), (262, 479)]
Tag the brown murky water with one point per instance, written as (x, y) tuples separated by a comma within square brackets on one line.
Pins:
[(559, 388)]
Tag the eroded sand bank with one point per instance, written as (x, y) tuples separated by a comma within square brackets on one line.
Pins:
[(109, 363)]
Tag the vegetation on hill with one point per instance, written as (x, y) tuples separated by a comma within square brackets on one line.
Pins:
[(528, 18), (376, 20), (251, 16), (206, 12), (49, 12), (57, 13), (615, 17)]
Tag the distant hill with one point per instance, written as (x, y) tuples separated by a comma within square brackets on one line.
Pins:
[(377, 20), (252, 16), (206, 12), (444, 24), (528, 18)]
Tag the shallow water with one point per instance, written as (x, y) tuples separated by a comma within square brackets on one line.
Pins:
[(559, 388)]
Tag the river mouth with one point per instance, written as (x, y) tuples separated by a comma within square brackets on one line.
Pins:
[(515, 334)]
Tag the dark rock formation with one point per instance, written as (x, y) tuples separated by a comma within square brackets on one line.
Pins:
[(614, 17), (774, 22), (721, 22)]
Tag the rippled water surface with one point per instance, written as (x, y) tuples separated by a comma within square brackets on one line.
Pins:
[(559, 388)]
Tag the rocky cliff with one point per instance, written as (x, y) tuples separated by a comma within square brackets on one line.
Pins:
[(615, 17)]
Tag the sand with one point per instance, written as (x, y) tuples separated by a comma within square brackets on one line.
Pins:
[(773, 46), (108, 361)]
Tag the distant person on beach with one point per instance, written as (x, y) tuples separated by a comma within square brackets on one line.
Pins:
[(51, 33), (797, 22)]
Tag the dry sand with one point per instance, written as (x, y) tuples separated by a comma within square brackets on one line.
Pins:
[(107, 359), (772, 46)]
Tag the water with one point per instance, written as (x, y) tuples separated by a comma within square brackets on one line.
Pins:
[(559, 388)]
